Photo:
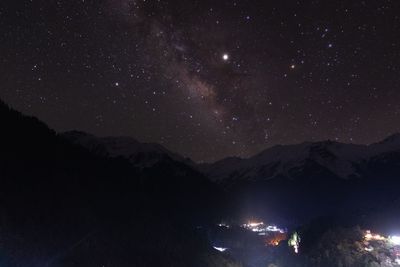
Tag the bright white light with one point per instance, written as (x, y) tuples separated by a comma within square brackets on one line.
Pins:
[(225, 57), (254, 224), (274, 228), (395, 240), (220, 249), (224, 225), (294, 242)]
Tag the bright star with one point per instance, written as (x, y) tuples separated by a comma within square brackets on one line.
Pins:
[(225, 57)]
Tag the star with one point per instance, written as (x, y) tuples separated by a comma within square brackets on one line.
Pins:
[(231, 63), (225, 57)]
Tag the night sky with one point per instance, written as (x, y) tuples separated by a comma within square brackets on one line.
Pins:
[(207, 79)]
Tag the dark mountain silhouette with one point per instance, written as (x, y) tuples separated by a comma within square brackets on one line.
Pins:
[(141, 155), (63, 205)]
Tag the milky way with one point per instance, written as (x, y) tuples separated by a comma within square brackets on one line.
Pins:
[(207, 79)]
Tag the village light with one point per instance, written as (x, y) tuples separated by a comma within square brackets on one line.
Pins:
[(369, 236), (220, 249), (395, 240), (294, 242), (255, 224)]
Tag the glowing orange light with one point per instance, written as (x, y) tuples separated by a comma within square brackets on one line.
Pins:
[(369, 236)]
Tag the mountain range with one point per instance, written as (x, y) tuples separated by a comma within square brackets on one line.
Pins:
[(68, 194), (339, 160), (318, 162), (141, 155), (320, 177), (63, 204), (344, 161)]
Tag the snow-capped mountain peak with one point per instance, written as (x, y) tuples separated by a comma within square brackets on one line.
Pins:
[(139, 154), (332, 158)]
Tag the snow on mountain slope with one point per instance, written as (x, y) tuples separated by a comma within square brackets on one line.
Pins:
[(139, 154), (329, 158), (342, 160)]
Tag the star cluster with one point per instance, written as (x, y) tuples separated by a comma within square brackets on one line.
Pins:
[(207, 79)]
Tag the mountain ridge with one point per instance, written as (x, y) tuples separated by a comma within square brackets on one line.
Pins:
[(64, 205), (342, 159), (139, 154)]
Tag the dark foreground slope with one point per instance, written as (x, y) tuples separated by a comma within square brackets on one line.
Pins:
[(61, 205)]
